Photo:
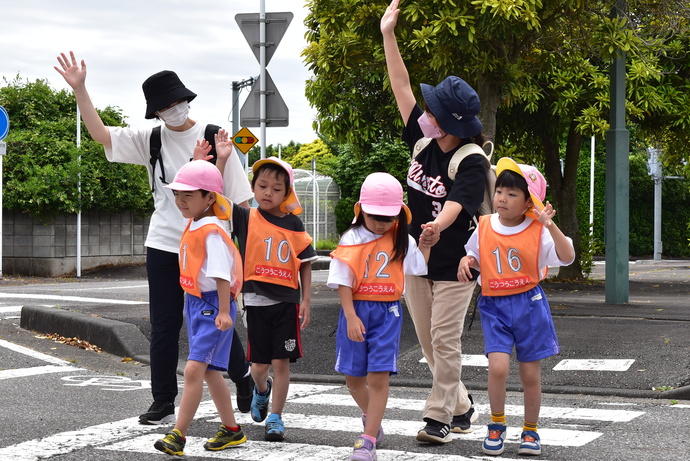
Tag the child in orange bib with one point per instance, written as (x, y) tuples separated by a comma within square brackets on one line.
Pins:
[(512, 249), (211, 274), (368, 269)]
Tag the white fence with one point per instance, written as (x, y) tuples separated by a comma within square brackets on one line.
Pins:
[(318, 195)]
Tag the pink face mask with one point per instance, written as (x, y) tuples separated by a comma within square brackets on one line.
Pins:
[(429, 130)]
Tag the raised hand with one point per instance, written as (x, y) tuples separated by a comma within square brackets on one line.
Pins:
[(201, 150), (74, 75), (544, 216), (390, 17), (223, 145)]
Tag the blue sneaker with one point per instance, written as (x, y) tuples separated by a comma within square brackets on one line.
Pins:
[(364, 450), (275, 429), (259, 408), (529, 444), (379, 434), (493, 443)]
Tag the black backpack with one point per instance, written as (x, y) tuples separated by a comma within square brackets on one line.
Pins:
[(155, 150)]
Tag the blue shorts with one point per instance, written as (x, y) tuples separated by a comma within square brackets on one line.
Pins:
[(522, 320), (208, 344), (273, 332), (379, 351)]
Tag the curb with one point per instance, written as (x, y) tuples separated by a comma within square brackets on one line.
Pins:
[(117, 338)]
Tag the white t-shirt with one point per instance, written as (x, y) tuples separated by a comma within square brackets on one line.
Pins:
[(547, 252), (177, 147), (218, 261), (340, 273)]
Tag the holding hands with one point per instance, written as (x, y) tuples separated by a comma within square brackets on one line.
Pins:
[(430, 234)]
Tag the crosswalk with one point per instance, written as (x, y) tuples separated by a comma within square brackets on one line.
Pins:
[(305, 412)]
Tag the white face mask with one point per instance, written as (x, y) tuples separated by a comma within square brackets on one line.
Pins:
[(176, 115)]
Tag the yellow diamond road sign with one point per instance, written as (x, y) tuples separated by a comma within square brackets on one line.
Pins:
[(244, 140)]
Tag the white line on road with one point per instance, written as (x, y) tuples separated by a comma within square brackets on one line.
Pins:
[(33, 353), (589, 414), (70, 298), (594, 365)]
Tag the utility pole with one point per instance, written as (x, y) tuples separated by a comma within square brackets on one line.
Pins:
[(617, 222)]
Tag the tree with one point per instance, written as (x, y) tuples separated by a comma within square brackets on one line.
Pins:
[(539, 67), (44, 169)]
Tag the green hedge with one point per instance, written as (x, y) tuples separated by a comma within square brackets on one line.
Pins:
[(43, 169), (675, 219)]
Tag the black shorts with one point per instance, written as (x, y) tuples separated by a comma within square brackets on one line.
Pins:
[(273, 332)]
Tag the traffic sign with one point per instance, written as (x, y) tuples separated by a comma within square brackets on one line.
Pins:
[(277, 113), (4, 123), (244, 140), (276, 25)]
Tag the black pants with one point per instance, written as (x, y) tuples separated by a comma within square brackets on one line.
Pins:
[(166, 307)]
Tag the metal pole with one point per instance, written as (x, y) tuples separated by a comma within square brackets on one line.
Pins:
[(79, 192), (3, 149), (658, 178), (236, 87), (617, 183), (591, 190), (262, 78)]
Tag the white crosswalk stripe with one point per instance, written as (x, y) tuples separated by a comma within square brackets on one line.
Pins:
[(568, 428)]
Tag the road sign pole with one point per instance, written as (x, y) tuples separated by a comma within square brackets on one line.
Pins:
[(262, 86), (4, 129)]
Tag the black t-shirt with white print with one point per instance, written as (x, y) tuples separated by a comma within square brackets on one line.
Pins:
[(428, 188)]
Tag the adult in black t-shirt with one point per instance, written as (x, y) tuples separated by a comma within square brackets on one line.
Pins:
[(438, 302)]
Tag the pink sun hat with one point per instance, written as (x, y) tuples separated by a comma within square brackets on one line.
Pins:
[(203, 175), (381, 195), (536, 184)]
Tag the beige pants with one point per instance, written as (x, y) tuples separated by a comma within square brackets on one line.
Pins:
[(438, 311)]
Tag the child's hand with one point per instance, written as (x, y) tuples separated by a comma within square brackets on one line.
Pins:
[(202, 149), (355, 329), (544, 216), (464, 273), (223, 145), (223, 321), (304, 314), (430, 235)]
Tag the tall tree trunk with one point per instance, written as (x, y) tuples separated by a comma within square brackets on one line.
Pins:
[(490, 96), (563, 189)]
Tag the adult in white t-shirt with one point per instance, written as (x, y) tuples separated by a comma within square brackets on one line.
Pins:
[(167, 99)]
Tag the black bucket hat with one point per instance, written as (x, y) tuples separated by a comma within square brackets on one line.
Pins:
[(162, 89), (455, 105)]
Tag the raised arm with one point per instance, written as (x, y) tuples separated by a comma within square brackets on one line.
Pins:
[(75, 76), (397, 72)]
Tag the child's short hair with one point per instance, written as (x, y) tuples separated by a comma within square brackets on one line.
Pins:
[(279, 172), (512, 180)]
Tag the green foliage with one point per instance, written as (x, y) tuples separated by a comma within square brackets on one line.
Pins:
[(328, 245), (43, 169), (675, 210), (390, 157)]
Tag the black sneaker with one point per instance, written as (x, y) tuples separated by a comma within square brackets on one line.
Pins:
[(245, 391), (463, 423), (159, 413), (434, 432)]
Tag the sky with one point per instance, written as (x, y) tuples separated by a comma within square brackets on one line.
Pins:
[(125, 41)]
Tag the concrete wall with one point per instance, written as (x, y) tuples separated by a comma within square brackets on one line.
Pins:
[(32, 247)]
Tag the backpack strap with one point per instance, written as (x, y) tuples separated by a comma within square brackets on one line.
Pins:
[(466, 150), (209, 135), (155, 151), (419, 146)]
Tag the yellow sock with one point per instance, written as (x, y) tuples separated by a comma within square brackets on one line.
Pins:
[(498, 417), (528, 426)]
